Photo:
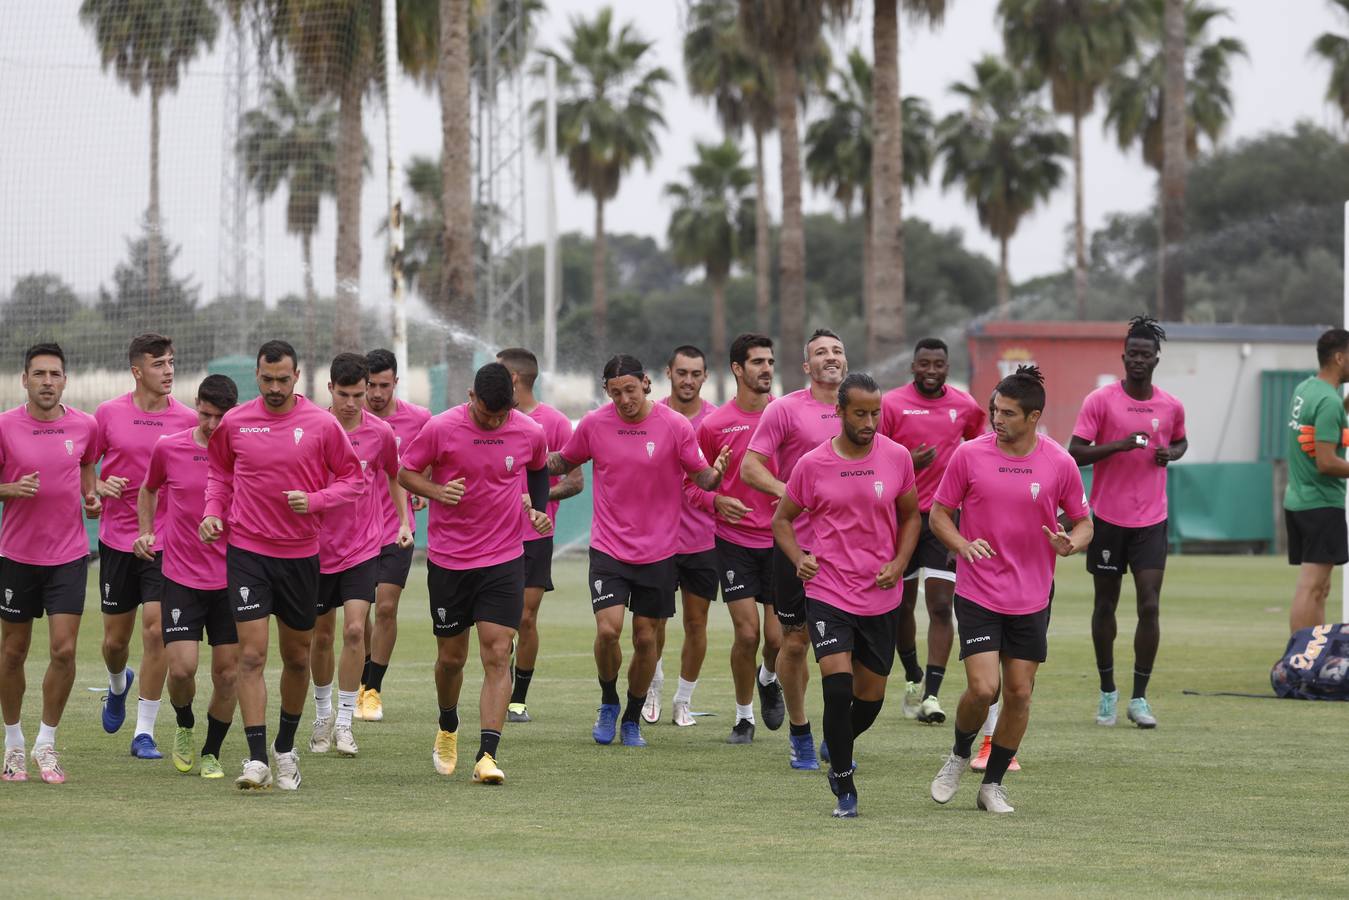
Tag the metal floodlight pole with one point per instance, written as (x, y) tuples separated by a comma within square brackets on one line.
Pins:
[(1344, 585), (550, 278), (399, 325)]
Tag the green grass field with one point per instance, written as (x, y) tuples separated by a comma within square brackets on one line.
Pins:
[(1227, 796)]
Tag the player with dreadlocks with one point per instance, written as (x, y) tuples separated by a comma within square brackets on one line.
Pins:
[(1129, 431)]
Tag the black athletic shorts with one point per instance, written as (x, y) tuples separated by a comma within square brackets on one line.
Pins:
[(1020, 637), (697, 573), (539, 563), (28, 592), (261, 586), (461, 597), (745, 572), (187, 611), (356, 583), (789, 593), (126, 581), (1317, 536), (1115, 548), (931, 554), (647, 589), (870, 639), (393, 565)]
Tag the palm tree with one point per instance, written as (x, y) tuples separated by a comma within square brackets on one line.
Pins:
[(787, 33), (1005, 150), (839, 155), (608, 110), (148, 43), (885, 321), (1075, 45), (712, 226), (1334, 50), (1171, 304), (292, 139), (1135, 94)]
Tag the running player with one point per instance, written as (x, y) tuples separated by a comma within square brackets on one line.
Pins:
[(47, 456), (744, 539), (349, 550), (482, 456), (641, 451), (524, 369), (1009, 487), (1313, 503), (395, 560), (195, 595), (128, 428), (929, 418), (864, 509), (695, 557), (790, 427), (275, 463), (1128, 432)]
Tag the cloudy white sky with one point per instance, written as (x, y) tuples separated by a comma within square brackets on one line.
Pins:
[(74, 159)]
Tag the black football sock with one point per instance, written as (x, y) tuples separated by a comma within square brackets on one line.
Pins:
[(488, 743), (1107, 679), (799, 730), (374, 676), (935, 676), (912, 671), (365, 673), (184, 715), (521, 688), (449, 719), (609, 692), (256, 735), (215, 736), (285, 732), (964, 741), (1141, 683), (999, 758), (864, 713), (633, 711), (838, 731)]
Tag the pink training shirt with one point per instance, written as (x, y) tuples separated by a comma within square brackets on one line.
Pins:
[(556, 430), (1129, 488), (730, 426), (483, 529), (910, 418), (46, 529), (790, 427), (126, 435), (406, 420), (1005, 500), (256, 456), (856, 524), (697, 525), (351, 533), (178, 471), (639, 478)]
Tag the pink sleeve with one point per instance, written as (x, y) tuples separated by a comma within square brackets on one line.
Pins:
[(155, 475), (219, 473), (905, 462), (348, 483), (768, 436), (690, 454), (539, 458), (955, 482), (1179, 433), (1089, 419), (975, 422), (798, 486), (421, 452), (577, 449), (1072, 497), (388, 456), (887, 418)]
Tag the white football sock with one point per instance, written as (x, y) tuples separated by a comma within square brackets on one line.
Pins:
[(766, 677), (146, 713), (346, 705), (14, 736), (744, 711), (659, 677), (685, 692), (117, 681), (46, 736), (991, 722), (323, 699)]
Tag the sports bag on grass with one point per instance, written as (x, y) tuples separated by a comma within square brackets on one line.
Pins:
[(1315, 666)]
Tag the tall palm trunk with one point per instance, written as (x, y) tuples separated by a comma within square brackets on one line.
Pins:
[(600, 313), (1004, 281), (868, 271), (456, 298), (885, 318), (350, 162), (154, 263), (719, 351), (311, 304), (1079, 217), (763, 278), (1173, 164), (792, 250)]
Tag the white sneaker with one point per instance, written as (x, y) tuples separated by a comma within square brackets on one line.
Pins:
[(344, 740), (256, 776), (16, 765), (651, 708), (993, 798), (287, 770), (682, 717), (321, 741), (913, 699), (930, 712), (948, 778)]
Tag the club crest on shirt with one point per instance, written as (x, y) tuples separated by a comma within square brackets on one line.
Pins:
[(650, 449), (730, 576), (952, 413), (243, 592), (819, 626), (107, 590), (880, 488), (176, 614), (364, 463), (9, 595), (1035, 490), (510, 463), (1155, 423), (599, 586), (1105, 556), (70, 448), (299, 433), (440, 613)]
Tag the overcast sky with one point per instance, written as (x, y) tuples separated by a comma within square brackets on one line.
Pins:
[(74, 158)]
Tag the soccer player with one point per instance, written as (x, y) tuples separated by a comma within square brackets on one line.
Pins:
[(1009, 487), (195, 598), (641, 451), (859, 489), (482, 456), (1129, 431), (47, 456), (395, 560), (744, 539), (790, 427), (524, 369), (695, 556), (275, 462), (349, 549), (931, 419), (1313, 503), (128, 428)]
